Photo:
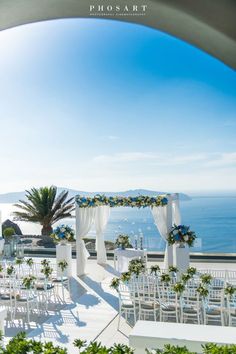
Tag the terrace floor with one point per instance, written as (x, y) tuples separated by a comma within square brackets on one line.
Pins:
[(91, 313)]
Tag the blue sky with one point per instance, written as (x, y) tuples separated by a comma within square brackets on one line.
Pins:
[(104, 105)]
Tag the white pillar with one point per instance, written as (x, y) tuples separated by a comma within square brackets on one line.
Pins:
[(77, 245), (169, 249), (63, 253)]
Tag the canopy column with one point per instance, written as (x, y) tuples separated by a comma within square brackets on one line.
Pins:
[(101, 219), (84, 221)]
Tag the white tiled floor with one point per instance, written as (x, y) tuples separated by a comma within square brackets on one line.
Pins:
[(90, 314)]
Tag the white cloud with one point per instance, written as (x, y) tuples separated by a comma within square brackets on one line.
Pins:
[(223, 159), (110, 137), (124, 157)]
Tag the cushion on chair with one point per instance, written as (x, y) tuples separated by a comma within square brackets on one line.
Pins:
[(168, 307), (213, 311)]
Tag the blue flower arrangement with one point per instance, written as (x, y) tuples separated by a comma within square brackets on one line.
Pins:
[(181, 234), (140, 201), (63, 233)]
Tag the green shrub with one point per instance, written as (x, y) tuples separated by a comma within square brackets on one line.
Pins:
[(173, 269), (115, 282), (21, 345), (170, 349), (154, 269), (136, 266), (165, 278), (125, 277), (63, 265), (191, 271), (8, 232), (179, 288), (219, 349), (185, 277), (206, 278)]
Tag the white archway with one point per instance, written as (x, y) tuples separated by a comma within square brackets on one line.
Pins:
[(96, 210), (206, 24)]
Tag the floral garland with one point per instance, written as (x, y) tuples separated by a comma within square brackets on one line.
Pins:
[(181, 234), (140, 201)]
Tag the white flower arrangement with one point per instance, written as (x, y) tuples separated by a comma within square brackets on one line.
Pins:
[(63, 233), (181, 234)]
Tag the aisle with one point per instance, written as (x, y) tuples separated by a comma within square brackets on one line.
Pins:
[(85, 317)]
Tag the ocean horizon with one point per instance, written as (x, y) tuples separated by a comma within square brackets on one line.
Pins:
[(213, 218)]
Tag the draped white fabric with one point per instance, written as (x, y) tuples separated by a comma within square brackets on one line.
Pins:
[(160, 218), (164, 218), (101, 219), (160, 215), (184, 259), (176, 211), (84, 222)]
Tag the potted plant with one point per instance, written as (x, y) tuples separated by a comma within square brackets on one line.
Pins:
[(115, 283), (191, 271), (30, 262), (10, 270), (136, 266), (45, 262), (185, 277), (47, 271), (123, 242), (154, 269), (206, 278), (173, 270), (19, 261), (203, 291), (179, 288), (29, 282), (165, 278), (8, 233), (63, 234), (62, 265), (230, 290), (125, 277)]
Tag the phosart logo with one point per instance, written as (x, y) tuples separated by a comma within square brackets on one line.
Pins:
[(117, 10)]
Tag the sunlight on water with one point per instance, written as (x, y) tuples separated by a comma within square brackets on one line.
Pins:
[(213, 220)]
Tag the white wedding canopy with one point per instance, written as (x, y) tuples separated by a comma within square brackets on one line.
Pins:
[(165, 217), (89, 213)]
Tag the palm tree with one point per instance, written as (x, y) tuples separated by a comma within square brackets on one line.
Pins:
[(45, 207)]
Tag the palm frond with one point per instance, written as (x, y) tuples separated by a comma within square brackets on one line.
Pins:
[(44, 206)]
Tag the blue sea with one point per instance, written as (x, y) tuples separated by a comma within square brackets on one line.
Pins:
[(212, 218)]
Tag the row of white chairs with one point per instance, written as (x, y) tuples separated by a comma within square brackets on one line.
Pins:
[(145, 297), (227, 276), (44, 289)]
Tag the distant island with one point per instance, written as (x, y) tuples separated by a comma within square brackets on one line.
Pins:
[(14, 197)]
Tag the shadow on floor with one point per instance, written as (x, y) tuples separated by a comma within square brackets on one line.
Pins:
[(97, 288)]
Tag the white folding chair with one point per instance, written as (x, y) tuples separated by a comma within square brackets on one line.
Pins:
[(191, 306), (147, 298), (214, 307), (169, 304), (127, 304), (25, 299), (231, 309)]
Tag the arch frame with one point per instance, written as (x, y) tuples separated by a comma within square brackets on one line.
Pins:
[(206, 24)]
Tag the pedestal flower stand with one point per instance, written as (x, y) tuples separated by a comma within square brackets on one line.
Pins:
[(181, 257), (63, 253)]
